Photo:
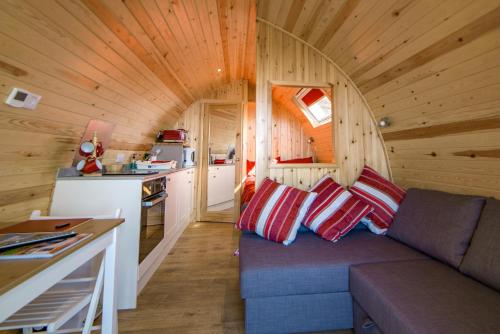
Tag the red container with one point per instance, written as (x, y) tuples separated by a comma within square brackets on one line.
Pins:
[(178, 135)]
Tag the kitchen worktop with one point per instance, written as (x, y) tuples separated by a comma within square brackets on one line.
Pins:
[(73, 174)]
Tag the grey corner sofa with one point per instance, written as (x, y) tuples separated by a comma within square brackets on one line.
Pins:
[(436, 271)]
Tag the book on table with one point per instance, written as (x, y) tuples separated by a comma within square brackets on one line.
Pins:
[(33, 248)]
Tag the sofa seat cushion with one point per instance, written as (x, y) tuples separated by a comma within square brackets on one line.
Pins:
[(311, 264), (424, 296)]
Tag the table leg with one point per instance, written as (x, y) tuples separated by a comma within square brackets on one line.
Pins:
[(109, 313)]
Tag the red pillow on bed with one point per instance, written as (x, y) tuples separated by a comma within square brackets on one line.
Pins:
[(382, 194), (250, 166), (219, 161), (308, 160), (276, 211), (335, 211)]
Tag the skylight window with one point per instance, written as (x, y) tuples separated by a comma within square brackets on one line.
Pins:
[(315, 105)]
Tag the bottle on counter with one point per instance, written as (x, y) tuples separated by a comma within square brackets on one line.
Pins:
[(133, 162)]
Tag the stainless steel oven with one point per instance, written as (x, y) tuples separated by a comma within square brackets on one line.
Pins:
[(152, 216)]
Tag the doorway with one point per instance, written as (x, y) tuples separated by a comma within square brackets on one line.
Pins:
[(220, 172)]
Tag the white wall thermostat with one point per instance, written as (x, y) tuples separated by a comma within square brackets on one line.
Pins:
[(21, 98)]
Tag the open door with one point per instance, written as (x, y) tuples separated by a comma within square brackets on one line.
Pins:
[(220, 161)]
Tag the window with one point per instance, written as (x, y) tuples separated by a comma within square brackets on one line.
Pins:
[(315, 105)]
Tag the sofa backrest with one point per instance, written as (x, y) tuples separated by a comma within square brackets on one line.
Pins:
[(437, 223), (482, 260)]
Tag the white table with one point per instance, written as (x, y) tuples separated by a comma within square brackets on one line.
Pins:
[(21, 281)]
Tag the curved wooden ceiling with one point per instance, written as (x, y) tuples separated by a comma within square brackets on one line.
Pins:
[(192, 46), (432, 66)]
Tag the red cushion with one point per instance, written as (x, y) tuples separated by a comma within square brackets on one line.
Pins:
[(308, 160), (335, 211), (380, 193), (250, 166), (276, 211), (219, 161)]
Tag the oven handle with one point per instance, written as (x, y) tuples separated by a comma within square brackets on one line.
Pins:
[(155, 200)]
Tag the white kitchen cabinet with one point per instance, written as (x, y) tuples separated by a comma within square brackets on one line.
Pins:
[(86, 196), (220, 184), (172, 185), (180, 201)]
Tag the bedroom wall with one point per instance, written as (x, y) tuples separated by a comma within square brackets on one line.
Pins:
[(282, 57), (322, 146), (288, 138)]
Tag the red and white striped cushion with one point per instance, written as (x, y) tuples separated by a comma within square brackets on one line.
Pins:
[(276, 211), (335, 211), (380, 193)]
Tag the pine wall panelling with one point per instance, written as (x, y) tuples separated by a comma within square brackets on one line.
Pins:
[(284, 58), (288, 138), (432, 67), (137, 64)]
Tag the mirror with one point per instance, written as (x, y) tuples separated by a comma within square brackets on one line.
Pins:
[(222, 130), (302, 125)]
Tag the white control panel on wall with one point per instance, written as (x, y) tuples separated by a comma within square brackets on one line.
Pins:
[(21, 98)]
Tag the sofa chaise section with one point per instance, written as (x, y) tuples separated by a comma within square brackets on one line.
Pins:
[(414, 297), (305, 286)]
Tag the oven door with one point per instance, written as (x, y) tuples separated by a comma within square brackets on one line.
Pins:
[(152, 223)]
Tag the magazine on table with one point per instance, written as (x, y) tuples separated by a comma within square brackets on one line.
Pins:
[(39, 250)]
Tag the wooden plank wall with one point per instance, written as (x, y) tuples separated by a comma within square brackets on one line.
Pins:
[(138, 64), (52, 53), (283, 57), (288, 138), (433, 67)]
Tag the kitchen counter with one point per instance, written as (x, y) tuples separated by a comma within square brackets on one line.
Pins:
[(73, 174), (101, 195)]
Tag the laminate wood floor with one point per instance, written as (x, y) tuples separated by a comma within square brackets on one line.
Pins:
[(196, 288)]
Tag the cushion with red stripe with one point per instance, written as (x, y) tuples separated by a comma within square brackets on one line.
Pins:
[(276, 211), (335, 211), (380, 193)]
